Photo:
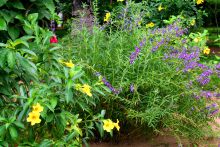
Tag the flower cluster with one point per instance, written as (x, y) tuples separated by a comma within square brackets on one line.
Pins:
[(107, 84), (206, 51), (109, 125), (85, 88), (150, 25), (212, 109), (34, 115), (68, 64), (135, 54), (54, 39), (204, 77), (107, 17)]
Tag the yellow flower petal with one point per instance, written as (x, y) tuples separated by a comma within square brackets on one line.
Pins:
[(107, 17), (150, 25), (69, 64), (160, 8), (117, 125), (199, 2), (37, 108), (33, 118), (108, 125), (206, 51), (86, 89)]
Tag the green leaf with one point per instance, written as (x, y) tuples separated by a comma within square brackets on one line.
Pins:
[(49, 4), (33, 17), (3, 45), (7, 15), (17, 4), (19, 124), (2, 2), (13, 132), (11, 59), (20, 41), (3, 56), (3, 25), (28, 52), (2, 131), (13, 32), (53, 102), (68, 94)]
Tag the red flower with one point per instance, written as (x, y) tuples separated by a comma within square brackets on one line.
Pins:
[(53, 39)]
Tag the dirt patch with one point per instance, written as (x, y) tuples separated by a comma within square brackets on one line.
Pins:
[(159, 141)]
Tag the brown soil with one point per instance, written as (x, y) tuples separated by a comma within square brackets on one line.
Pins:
[(215, 50), (160, 141)]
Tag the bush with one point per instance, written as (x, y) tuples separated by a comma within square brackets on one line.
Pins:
[(163, 84)]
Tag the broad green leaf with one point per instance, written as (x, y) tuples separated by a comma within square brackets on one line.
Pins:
[(19, 17), (53, 102), (100, 128), (19, 124), (3, 45), (7, 15), (16, 4), (13, 32), (2, 2), (13, 132), (49, 4), (33, 18), (2, 131), (20, 41), (46, 143), (11, 59), (2, 119), (70, 136), (68, 94), (3, 25), (49, 117), (29, 52)]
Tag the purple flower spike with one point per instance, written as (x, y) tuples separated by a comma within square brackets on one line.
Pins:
[(135, 54), (132, 88), (214, 112)]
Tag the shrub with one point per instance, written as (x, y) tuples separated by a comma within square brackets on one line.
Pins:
[(155, 75)]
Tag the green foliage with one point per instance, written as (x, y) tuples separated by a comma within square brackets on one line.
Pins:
[(34, 71), (13, 13), (162, 97)]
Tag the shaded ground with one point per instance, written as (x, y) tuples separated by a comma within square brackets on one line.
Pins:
[(215, 50), (160, 141)]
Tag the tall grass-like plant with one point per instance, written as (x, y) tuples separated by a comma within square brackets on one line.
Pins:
[(155, 76)]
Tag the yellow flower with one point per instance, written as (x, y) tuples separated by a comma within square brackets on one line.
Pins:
[(199, 2), (37, 108), (116, 125), (150, 25), (107, 17), (206, 51), (69, 64), (192, 23), (86, 89), (196, 40), (108, 125), (120, 0), (34, 118), (160, 8), (78, 86)]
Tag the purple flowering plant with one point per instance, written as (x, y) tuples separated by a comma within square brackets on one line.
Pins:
[(154, 76)]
